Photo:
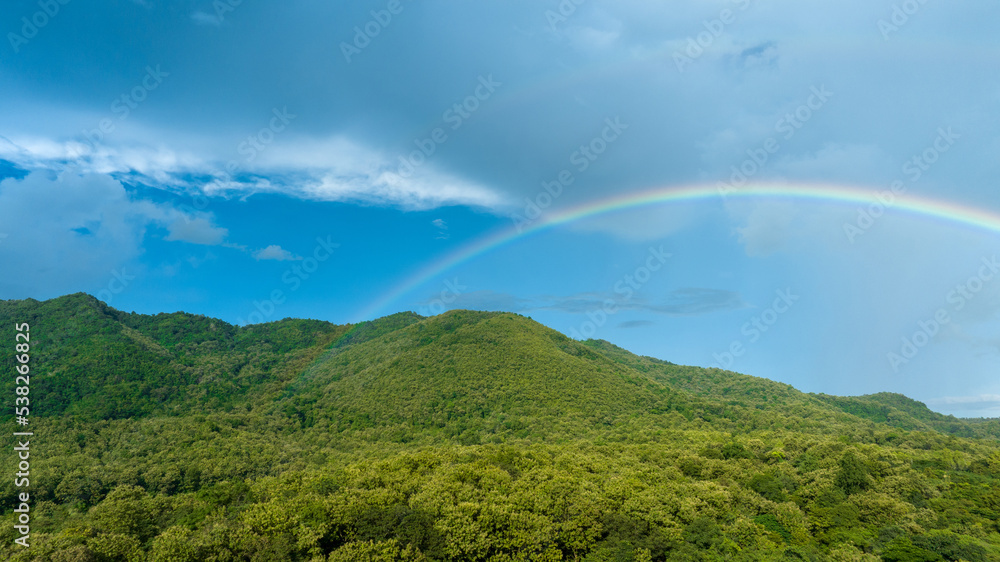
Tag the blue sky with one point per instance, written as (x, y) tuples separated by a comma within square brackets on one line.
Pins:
[(255, 161)]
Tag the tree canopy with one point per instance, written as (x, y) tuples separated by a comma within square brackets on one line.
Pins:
[(464, 436)]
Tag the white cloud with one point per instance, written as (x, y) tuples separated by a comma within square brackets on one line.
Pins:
[(590, 38), (427, 190), (275, 252), (982, 405), (339, 169), (636, 324), (766, 227), (442, 229), (992, 399), (196, 231), (763, 55), (688, 301), (76, 230), (202, 18), (327, 169)]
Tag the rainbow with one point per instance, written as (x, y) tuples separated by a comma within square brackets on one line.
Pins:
[(946, 211)]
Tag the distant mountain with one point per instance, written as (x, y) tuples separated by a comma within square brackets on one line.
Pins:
[(464, 436), (470, 371), (905, 413), (100, 363)]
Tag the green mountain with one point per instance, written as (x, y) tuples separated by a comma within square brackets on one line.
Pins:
[(464, 436)]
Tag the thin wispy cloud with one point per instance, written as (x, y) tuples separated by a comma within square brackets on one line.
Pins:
[(325, 170), (277, 253), (203, 18), (636, 324), (680, 302), (987, 405)]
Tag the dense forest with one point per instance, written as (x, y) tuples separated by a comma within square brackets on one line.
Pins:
[(464, 436)]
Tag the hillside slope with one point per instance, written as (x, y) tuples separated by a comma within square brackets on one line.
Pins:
[(465, 436), (743, 397), (475, 373), (470, 371)]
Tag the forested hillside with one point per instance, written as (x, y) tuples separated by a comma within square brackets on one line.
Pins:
[(465, 436)]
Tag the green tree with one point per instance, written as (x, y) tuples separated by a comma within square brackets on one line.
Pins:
[(127, 511), (853, 474)]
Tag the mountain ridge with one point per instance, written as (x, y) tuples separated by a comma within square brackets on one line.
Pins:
[(179, 352), (464, 436)]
